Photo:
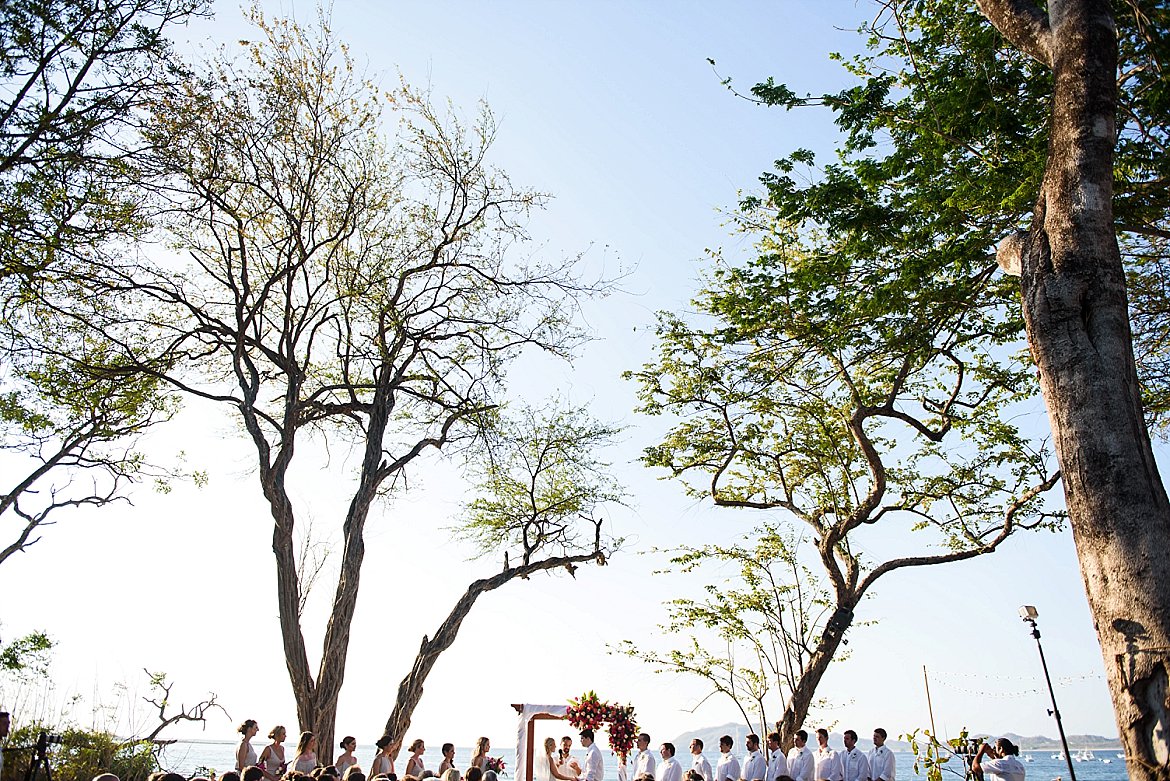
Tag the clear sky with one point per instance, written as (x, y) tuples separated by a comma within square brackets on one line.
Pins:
[(613, 108)]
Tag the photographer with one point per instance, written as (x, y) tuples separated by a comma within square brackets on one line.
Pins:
[(1002, 764), (4, 723)]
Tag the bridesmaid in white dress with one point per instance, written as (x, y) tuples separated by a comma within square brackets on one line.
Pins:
[(383, 763), (306, 757), (245, 754), (414, 765), (348, 744), (272, 757)]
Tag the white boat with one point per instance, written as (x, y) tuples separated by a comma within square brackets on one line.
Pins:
[(1121, 755), (1058, 756), (1084, 755), (1028, 758)]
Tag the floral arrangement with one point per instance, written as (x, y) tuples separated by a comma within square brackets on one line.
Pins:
[(589, 712), (496, 764)]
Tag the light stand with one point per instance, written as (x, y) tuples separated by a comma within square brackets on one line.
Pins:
[(1029, 614)]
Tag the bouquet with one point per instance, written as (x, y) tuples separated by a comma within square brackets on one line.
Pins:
[(496, 764)]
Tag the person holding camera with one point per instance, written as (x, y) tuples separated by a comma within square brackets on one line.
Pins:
[(1002, 765)]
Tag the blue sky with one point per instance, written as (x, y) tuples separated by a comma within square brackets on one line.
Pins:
[(613, 108)]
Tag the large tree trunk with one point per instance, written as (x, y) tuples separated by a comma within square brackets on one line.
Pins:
[(798, 704), (1078, 329)]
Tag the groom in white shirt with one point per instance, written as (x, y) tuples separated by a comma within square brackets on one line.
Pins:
[(594, 765)]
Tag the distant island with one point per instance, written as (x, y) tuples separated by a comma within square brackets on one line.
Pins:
[(710, 737)]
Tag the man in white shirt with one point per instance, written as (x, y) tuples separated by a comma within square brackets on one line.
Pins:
[(643, 760), (754, 765), (800, 758), (854, 765), (777, 762), (669, 769), (699, 763), (594, 765), (728, 767), (881, 759), (825, 764)]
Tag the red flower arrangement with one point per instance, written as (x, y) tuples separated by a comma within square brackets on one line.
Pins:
[(496, 764), (589, 712)]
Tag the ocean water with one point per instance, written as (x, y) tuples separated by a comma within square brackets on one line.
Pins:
[(184, 756)]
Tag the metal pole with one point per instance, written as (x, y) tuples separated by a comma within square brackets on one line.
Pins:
[(1055, 711)]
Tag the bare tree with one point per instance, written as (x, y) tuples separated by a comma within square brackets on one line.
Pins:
[(340, 288)]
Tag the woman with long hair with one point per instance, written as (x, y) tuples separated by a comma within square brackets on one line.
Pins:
[(482, 747), (548, 769), (306, 756), (448, 759)]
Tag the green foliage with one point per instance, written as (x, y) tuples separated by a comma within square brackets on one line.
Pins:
[(933, 757), (27, 656), (944, 147), (82, 755), (755, 632), (539, 478)]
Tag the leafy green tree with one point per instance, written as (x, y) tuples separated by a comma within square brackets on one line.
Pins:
[(332, 287), (956, 135), (755, 632), (75, 75), (798, 396), (539, 493)]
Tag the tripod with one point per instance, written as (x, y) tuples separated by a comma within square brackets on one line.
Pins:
[(40, 758)]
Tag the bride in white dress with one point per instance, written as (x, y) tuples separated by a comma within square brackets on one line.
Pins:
[(548, 770)]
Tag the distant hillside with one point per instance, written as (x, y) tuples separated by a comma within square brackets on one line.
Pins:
[(710, 737)]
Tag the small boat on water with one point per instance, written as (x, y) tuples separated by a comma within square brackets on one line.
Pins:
[(1058, 756), (1028, 758), (1084, 755)]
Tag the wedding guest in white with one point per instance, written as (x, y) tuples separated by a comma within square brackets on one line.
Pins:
[(800, 758), (777, 762), (414, 765), (754, 764), (1003, 764), (825, 764), (669, 769), (383, 763), (342, 763), (699, 763), (854, 765), (728, 767), (881, 759), (594, 765), (272, 756), (245, 754), (306, 757), (644, 759)]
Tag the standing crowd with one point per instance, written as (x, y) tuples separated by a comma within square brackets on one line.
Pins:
[(272, 764)]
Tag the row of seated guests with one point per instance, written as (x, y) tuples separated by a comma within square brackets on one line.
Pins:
[(352, 773)]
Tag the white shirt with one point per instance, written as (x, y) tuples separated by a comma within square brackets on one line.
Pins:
[(594, 769), (825, 764), (643, 763), (854, 765), (777, 764), (728, 768), (669, 770), (800, 763), (700, 765), (1007, 769), (881, 763), (754, 766)]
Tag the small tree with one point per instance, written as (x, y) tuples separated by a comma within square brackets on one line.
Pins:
[(766, 621), (539, 491)]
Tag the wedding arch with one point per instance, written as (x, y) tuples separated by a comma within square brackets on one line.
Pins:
[(585, 711)]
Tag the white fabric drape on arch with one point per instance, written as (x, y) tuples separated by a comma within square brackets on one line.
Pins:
[(522, 747)]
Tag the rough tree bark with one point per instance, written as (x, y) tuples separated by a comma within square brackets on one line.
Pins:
[(1075, 308)]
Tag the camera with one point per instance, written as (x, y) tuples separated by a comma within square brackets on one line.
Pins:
[(46, 739)]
